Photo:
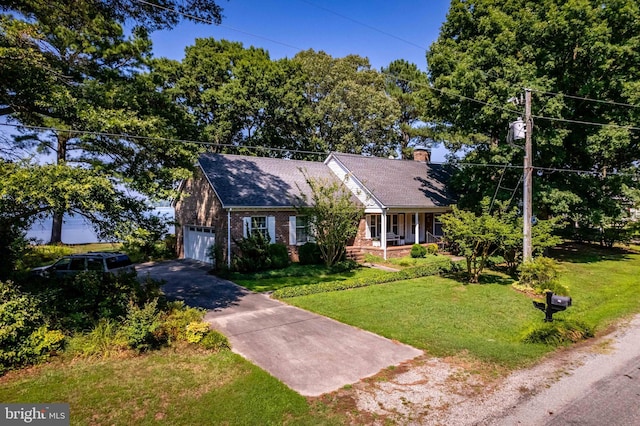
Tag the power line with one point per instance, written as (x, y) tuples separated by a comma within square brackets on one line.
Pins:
[(586, 99), (296, 151), (364, 24), (160, 138), (207, 21), (587, 123), (511, 110)]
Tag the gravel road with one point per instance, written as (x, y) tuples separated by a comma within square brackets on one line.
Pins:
[(433, 391)]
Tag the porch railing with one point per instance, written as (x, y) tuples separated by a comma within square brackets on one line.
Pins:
[(432, 239)]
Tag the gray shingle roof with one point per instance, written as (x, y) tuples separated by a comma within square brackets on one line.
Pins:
[(401, 183), (243, 181)]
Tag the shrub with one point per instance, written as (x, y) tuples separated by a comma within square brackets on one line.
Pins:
[(214, 340), (254, 253), (196, 330), (144, 242), (104, 340), (176, 318), (44, 342), (432, 248), (215, 253), (142, 325), (558, 332), (24, 336), (541, 274), (379, 278), (418, 251), (279, 256), (310, 254), (76, 303), (343, 266)]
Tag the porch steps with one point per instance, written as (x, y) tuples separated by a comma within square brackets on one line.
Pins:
[(354, 253)]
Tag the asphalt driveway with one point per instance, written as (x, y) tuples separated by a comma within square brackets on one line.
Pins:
[(310, 353)]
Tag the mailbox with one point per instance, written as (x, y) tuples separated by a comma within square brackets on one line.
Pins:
[(554, 304), (559, 303)]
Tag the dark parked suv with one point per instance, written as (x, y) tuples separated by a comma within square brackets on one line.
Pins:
[(92, 261)]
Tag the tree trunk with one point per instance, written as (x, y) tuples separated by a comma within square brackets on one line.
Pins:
[(61, 158), (56, 229)]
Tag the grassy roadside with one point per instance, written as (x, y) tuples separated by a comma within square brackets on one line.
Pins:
[(486, 322), (185, 387)]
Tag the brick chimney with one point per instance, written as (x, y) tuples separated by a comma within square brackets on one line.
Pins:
[(421, 154)]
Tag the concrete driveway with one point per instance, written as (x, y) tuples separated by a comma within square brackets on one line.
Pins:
[(310, 353)]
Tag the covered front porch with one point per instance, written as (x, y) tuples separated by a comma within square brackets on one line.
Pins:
[(390, 233)]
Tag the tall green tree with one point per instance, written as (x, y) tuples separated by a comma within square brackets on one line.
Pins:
[(489, 51), (237, 96), (407, 85), (70, 66), (347, 109)]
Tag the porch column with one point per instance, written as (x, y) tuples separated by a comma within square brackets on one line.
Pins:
[(228, 239), (383, 237), (417, 230)]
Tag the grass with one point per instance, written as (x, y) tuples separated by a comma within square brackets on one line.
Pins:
[(183, 387), (603, 283), (46, 254), (401, 262), (439, 315), (486, 322), (294, 275)]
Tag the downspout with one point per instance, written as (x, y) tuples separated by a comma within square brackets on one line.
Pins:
[(417, 230), (229, 238)]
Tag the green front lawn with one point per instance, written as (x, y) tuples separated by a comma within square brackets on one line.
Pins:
[(294, 275), (176, 388), (486, 321)]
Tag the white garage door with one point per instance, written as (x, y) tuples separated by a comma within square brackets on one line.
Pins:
[(197, 240)]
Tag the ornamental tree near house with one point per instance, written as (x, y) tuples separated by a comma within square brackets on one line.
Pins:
[(479, 236), (333, 216)]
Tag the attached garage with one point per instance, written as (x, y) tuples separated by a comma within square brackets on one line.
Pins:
[(197, 240)]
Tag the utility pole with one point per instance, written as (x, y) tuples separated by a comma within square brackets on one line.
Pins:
[(528, 178)]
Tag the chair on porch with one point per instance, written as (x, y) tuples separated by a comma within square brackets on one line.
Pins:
[(392, 237)]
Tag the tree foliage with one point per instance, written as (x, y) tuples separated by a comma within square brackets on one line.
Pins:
[(70, 66), (333, 216), (489, 51), (479, 236), (346, 107), (406, 84), (313, 102)]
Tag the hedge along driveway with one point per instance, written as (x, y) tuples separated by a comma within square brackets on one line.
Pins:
[(378, 277)]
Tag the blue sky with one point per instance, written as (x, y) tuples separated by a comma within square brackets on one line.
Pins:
[(318, 24), (401, 29)]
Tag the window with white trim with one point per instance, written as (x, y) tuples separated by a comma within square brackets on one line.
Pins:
[(259, 225), (265, 225), (302, 229), (375, 223)]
